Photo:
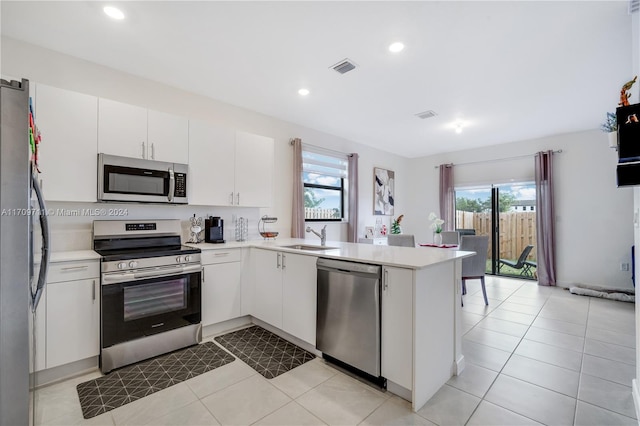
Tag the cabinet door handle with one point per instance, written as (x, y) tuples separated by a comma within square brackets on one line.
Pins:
[(238, 199), (94, 290), (142, 155), (278, 261), (153, 152), (202, 274), (284, 257), (73, 268), (231, 198), (386, 280)]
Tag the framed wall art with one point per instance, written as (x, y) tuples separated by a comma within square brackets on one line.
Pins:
[(383, 192)]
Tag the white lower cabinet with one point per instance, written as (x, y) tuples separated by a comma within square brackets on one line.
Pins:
[(397, 326), (67, 324), (73, 321), (221, 286), (268, 286), (299, 296), (285, 292)]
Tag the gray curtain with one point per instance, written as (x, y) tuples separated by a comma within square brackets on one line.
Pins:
[(447, 197), (297, 211), (545, 219), (352, 227)]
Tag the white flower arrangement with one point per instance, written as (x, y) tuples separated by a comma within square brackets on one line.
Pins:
[(436, 223)]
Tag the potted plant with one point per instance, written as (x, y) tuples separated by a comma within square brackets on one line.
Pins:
[(610, 126), (395, 226)]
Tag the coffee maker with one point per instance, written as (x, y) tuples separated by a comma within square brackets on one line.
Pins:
[(214, 230)]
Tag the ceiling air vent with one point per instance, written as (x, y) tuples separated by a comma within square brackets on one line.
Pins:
[(634, 6), (344, 66), (426, 114)]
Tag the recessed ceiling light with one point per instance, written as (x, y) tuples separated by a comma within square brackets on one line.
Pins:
[(459, 125), (396, 47), (303, 92), (113, 12)]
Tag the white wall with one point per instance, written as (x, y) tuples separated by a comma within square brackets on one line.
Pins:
[(40, 65), (593, 217)]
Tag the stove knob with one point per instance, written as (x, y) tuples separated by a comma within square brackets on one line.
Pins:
[(122, 265), (187, 258), (133, 264), (178, 259)]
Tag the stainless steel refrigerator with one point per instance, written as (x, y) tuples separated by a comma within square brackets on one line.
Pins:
[(20, 285)]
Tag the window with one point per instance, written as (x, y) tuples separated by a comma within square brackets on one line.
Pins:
[(323, 176)]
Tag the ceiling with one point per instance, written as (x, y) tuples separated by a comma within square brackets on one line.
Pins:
[(509, 71)]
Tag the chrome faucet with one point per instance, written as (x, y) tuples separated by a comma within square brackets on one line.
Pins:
[(322, 234)]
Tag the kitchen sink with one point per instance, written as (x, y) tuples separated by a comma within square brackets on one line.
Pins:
[(309, 247)]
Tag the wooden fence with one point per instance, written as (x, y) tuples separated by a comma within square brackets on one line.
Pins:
[(516, 229), (316, 213)]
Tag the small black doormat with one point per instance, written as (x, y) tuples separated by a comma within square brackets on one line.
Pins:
[(263, 351), (131, 383)]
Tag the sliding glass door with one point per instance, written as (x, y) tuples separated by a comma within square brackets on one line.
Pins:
[(505, 213)]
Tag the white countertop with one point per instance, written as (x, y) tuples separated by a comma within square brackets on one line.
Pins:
[(70, 256), (404, 257)]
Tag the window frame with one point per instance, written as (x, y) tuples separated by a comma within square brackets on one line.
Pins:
[(342, 174), (332, 188)]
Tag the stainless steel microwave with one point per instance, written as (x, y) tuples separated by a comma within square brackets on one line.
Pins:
[(141, 181)]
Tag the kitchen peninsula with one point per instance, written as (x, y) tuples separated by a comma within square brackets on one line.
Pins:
[(421, 338)]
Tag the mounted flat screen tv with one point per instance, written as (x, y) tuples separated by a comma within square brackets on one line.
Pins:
[(628, 133), (628, 174)]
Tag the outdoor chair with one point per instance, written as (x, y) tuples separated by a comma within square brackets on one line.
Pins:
[(521, 263), (474, 267), (450, 237), (466, 231), (528, 266), (403, 240)]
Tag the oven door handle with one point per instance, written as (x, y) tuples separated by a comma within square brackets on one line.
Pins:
[(122, 277), (168, 272)]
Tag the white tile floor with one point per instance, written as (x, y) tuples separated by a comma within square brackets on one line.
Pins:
[(535, 355)]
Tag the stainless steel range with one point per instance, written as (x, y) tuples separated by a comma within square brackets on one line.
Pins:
[(150, 301)]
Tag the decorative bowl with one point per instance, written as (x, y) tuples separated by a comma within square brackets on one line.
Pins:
[(268, 234)]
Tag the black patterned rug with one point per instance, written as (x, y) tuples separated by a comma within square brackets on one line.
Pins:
[(136, 381), (263, 351)]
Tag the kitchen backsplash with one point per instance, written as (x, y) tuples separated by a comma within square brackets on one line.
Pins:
[(71, 224)]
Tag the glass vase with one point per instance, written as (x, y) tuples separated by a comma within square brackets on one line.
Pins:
[(437, 238)]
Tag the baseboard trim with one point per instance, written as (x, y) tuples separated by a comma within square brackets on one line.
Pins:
[(401, 391), (63, 372), (635, 392), (458, 366)]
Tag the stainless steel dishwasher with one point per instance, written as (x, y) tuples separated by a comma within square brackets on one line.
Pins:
[(348, 318)]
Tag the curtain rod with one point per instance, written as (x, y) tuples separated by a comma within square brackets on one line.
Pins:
[(319, 148), (497, 159)]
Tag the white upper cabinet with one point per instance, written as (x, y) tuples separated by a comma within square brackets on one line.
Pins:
[(228, 167), (122, 129), (254, 170), (211, 164), (168, 137), (133, 131), (68, 122)]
